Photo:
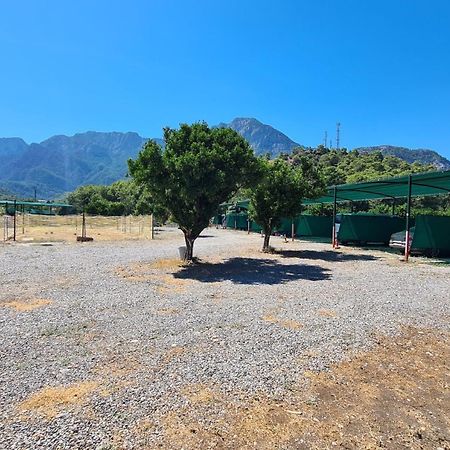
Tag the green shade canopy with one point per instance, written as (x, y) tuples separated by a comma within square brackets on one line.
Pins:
[(431, 183), (20, 203)]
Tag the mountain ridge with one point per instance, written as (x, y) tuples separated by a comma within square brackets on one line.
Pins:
[(410, 155), (61, 163)]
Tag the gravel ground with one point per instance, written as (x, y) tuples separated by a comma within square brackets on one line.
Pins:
[(136, 342)]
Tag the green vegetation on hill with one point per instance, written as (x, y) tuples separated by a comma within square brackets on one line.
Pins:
[(342, 166), (424, 156)]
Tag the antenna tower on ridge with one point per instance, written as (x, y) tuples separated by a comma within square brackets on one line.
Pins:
[(338, 126), (325, 139)]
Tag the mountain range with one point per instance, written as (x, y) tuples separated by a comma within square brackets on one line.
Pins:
[(62, 163)]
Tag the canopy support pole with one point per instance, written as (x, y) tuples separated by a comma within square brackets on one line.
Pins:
[(333, 241), (408, 213)]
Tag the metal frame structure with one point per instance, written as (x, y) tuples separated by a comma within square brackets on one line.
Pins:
[(409, 186), (21, 205)]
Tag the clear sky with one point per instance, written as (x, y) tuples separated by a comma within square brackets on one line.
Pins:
[(380, 67)]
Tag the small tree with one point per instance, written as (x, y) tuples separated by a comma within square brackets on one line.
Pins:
[(280, 192), (199, 168)]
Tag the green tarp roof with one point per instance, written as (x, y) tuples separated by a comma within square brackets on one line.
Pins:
[(431, 183), (20, 203)]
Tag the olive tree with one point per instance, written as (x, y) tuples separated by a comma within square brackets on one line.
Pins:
[(199, 168), (280, 192)]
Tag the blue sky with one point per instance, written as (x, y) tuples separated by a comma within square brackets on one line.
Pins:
[(381, 68)]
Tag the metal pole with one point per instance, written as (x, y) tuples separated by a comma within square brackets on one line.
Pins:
[(248, 225), (83, 226), (408, 213), (334, 217), (152, 226), (15, 216), (292, 230)]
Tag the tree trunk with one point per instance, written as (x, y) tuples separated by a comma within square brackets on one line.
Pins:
[(267, 233), (189, 255)]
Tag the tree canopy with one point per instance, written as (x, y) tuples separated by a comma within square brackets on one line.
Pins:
[(199, 168), (280, 192), (123, 197)]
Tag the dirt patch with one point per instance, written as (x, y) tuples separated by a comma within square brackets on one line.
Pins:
[(199, 393), (168, 283), (173, 353), (160, 273), (285, 323), (273, 318), (396, 396), (327, 313), (167, 311), (26, 305), (117, 367), (167, 264), (51, 400)]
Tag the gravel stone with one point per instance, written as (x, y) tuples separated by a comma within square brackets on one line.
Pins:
[(245, 324)]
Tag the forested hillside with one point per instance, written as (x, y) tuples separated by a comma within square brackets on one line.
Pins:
[(424, 156), (342, 166)]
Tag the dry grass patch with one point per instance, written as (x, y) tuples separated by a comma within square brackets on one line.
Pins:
[(327, 313), (160, 272), (118, 367), (167, 264), (168, 283), (167, 311), (183, 432), (27, 304), (396, 396), (173, 353), (51, 400), (284, 323), (198, 393)]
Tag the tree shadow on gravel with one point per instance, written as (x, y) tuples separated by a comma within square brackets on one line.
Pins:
[(252, 271), (325, 255)]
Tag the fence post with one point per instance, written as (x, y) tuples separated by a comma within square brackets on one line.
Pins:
[(15, 217)]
